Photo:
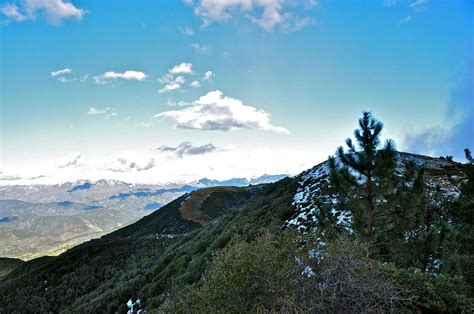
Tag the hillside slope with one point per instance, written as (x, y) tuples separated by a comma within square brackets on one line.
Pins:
[(170, 249), (148, 257)]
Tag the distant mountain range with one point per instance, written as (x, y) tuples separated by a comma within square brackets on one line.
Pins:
[(38, 220)]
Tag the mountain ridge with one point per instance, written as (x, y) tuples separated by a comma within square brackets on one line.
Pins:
[(169, 249)]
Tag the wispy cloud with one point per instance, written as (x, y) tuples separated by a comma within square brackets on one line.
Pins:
[(457, 131), (171, 83), (129, 161), (419, 5), (268, 14), (53, 11), (208, 76), (195, 84), (187, 148), (174, 79), (389, 3), (187, 31), (216, 112), (182, 68), (406, 19), (95, 111), (71, 160), (106, 112), (60, 75), (12, 12), (129, 75), (203, 50)]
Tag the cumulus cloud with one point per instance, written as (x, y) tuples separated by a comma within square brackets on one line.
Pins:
[(442, 140), (182, 68), (174, 79), (195, 84), (130, 161), (53, 11), (208, 76), (187, 148), (60, 75), (187, 31), (106, 112), (203, 50), (268, 14), (94, 111), (128, 75), (71, 160), (217, 112), (171, 83)]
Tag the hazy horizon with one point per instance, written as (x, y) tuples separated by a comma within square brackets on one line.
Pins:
[(175, 91)]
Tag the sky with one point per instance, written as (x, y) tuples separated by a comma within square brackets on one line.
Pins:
[(173, 91)]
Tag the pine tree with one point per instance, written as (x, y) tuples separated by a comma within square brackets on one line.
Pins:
[(385, 200), (467, 153)]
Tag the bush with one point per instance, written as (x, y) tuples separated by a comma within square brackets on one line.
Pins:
[(286, 274), (434, 293)]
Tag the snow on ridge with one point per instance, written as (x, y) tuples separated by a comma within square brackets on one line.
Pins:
[(312, 181), (309, 186)]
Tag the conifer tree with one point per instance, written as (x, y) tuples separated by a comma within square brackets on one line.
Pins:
[(467, 153), (385, 200)]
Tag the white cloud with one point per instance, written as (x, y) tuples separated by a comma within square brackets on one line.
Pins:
[(145, 124), (182, 68), (187, 148), (95, 111), (406, 19), (110, 114), (188, 31), (208, 76), (106, 112), (130, 161), (12, 12), (158, 167), (65, 80), (203, 50), (171, 83), (195, 84), (419, 5), (71, 160), (214, 111), (54, 11), (268, 14), (61, 72), (389, 3), (174, 79), (169, 87), (128, 75), (172, 103)]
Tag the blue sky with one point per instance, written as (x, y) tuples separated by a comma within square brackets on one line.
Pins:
[(285, 84)]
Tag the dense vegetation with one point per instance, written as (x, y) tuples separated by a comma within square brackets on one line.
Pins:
[(7, 265), (408, 246)]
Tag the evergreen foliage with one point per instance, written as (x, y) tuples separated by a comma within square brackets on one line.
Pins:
[(277, 274), (467, 153), (393, 204)]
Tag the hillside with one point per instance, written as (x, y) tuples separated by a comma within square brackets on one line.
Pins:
[(169, 250), (7, 265), (39, 220), (147, 249)]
